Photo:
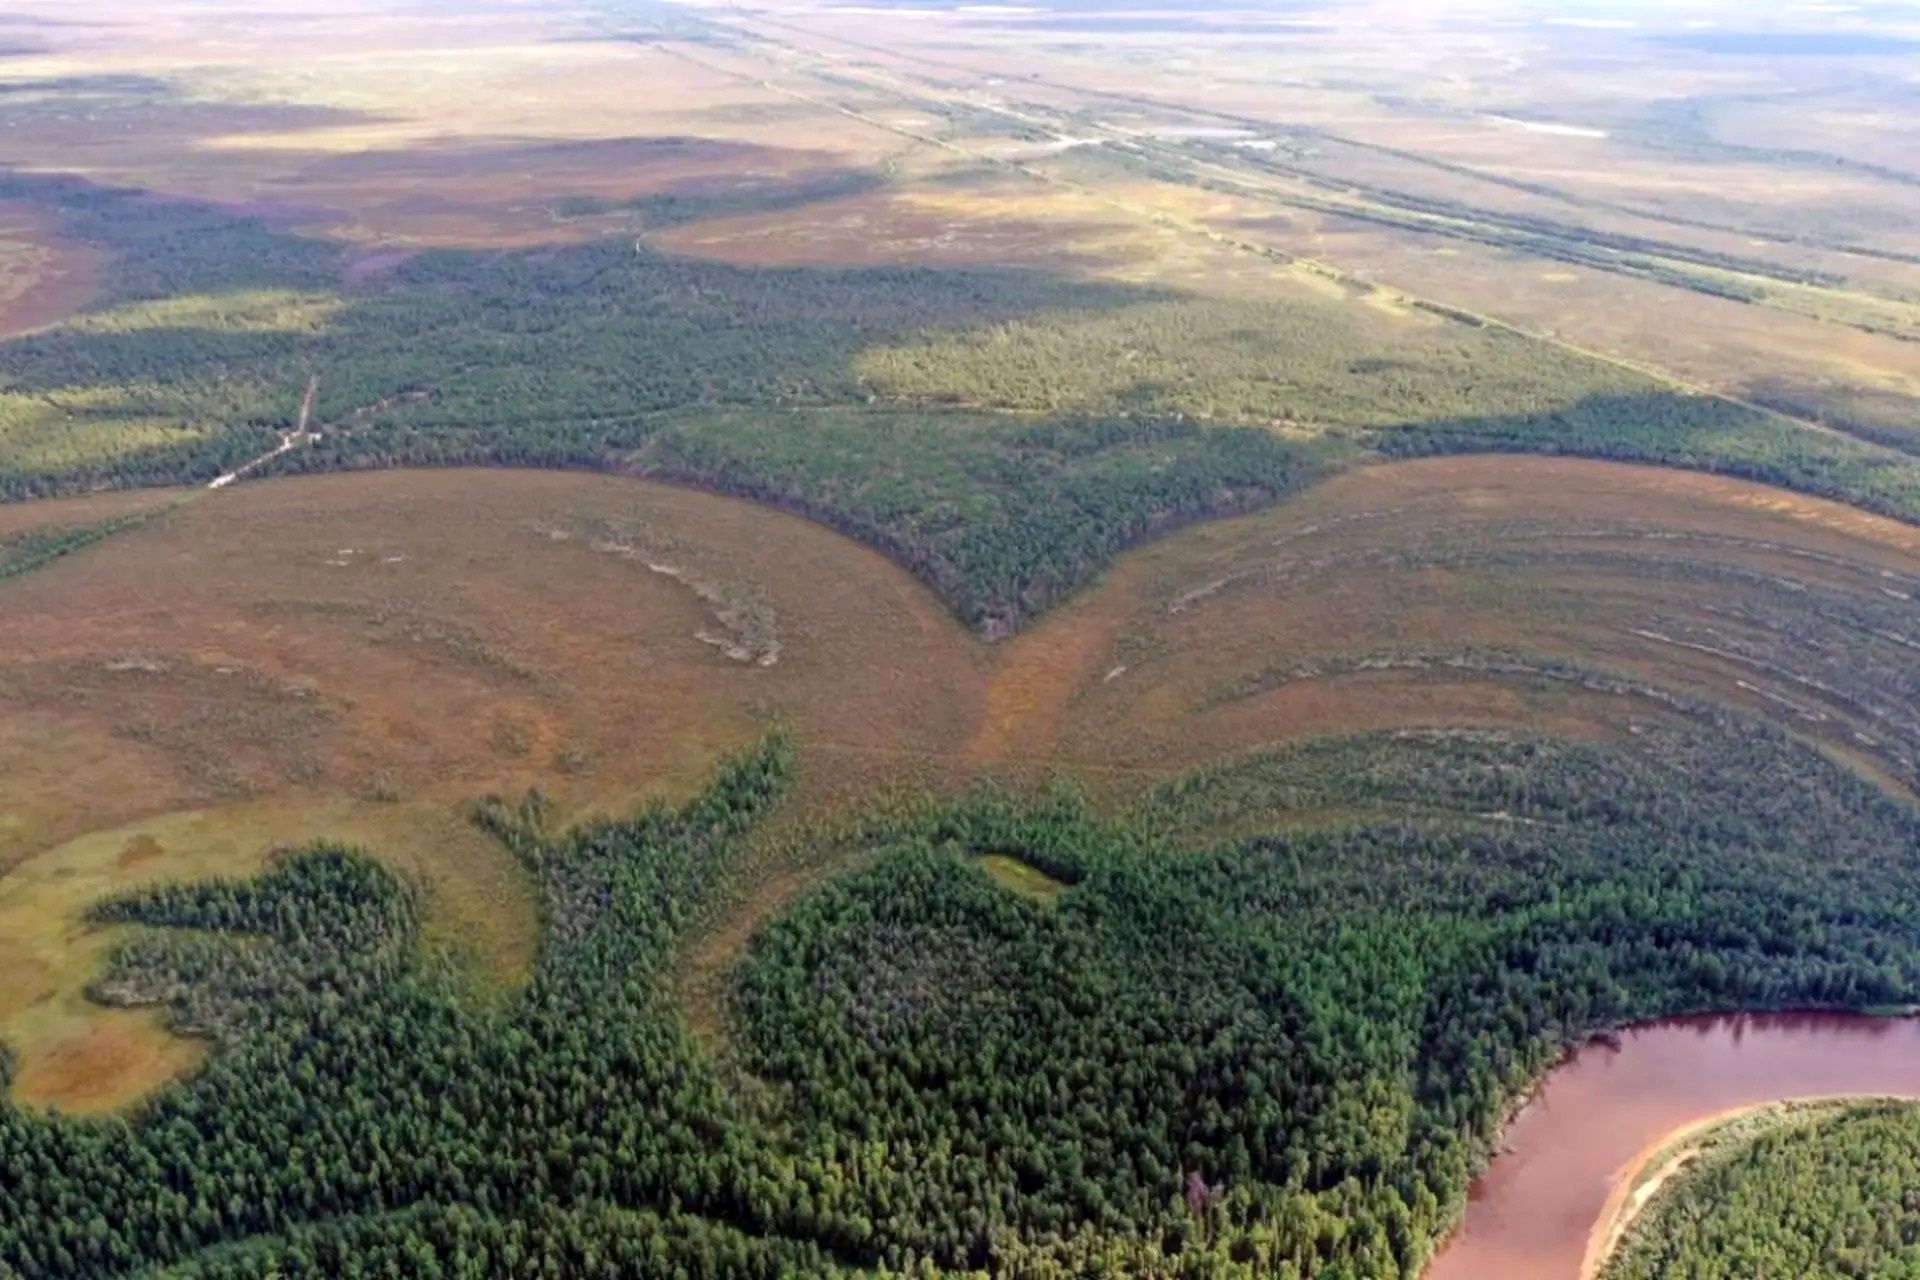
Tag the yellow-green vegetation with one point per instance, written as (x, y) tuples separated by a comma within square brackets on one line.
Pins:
[(96, 427), (1825, 1190), (1082, 400), (1023, 878), (72, 1052), (1315, 363), (242, 311)]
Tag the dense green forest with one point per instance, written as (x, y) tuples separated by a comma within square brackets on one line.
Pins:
[(603, 356), (1271, 1051), (1826, 1192), (1003, 433)]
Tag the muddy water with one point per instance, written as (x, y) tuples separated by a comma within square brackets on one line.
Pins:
[(1600, 1114)]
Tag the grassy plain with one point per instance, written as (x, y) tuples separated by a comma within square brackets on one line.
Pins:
[(1542, 190), (1379, 599)]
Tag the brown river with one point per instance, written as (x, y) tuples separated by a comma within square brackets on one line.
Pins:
[(1607, 1110)]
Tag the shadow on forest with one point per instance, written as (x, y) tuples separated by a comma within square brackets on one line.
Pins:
[(743, 380), (123, 107)]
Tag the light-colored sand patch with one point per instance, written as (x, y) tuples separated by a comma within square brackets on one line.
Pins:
[(1639, 1182)]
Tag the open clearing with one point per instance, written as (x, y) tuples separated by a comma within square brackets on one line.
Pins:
[(1469, 591), (359, 656), (1021, 878)]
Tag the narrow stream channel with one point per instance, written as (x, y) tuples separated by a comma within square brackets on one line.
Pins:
[(1608, 1108)]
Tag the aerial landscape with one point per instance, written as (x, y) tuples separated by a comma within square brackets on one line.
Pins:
[(854, 638)]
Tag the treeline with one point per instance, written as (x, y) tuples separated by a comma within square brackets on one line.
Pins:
[(592, 357), (358, 1101), (1829, 1192), (670, 208), (604, 355), (1001, 516), (339, 923), (1874, 415), (1002, 519), (1700, 433), (28, 549)]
